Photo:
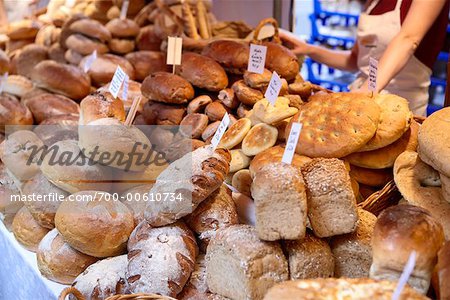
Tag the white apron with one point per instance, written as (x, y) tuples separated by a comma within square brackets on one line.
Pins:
[(375, 32)]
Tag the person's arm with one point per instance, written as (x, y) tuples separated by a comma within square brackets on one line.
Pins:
[(342, 60), (418, 21)]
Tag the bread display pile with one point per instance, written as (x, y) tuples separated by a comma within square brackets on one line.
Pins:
[(248, 226)]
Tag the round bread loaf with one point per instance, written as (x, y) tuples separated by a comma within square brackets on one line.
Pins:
[(245, 94), (167, 87), (28, 57), (398, 231), (20, 153), (434, 136), (17, 85), (202, 72), (103, 279), (235, 133), (84, 45), (100, 105), (91, 28), (27, 231), (13, 114), (338, 288), (9, 193), (65, 166), (281, 60), (66, 80), (239, 160), (73, 57), (385, 157), (131, 153), (322, 134), (46, 106), (371, 177), (103, 68), (58, 261), (147, 62), (46, 199), (121, 46), (123, 28), (94, 225), (156, 113), (232, 55), (147, 39), (134, 92), (257, 81), (56, 53), (24, 29), (193, 125)]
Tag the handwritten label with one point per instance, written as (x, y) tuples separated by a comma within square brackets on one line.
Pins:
[(3, 79), (174, 47), (273, 90), (373, 69), (124, 10), (125, 88), (220, 131), (291, 143), (407, 271), (257, 59), (89, 61), (116, 82)]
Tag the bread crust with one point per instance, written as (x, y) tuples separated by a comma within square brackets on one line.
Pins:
[(167, 88)]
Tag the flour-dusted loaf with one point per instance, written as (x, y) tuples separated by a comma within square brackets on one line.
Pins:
[(190, 180), (217, 211), (26, 230), (240, 266), (309, 257), (280, 199), (160, 260), (331, 201), (353, 251), (103, 279)]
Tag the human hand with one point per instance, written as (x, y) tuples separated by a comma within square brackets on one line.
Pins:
[(297, 46)]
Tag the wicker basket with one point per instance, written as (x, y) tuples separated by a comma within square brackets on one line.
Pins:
[(141, 296)]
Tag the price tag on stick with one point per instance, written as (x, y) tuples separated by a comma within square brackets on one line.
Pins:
[(257, 58), (124, 9), (125, 88), (116, 82), (373, 69), (220, 131), (291, 143), (174, 48), (89, 61), (407, 271), (273, 90)]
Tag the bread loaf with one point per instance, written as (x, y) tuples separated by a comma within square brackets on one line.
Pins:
[(251, 266), (28, 57), (232, 55), (58, 261), (168, 88), (310, 257), (280, 199), (160, 260), (146, 63), (163, 114), (91, 28), (353, 251), (27, 231), (46, 106), (331, 202), (99, 105), (147, 39), (103, 279), (191, 178), (217, 211), (281, 60), (398, 231), (444, 271), (17, 85), (103, 68), (8, 191), (13, 114)]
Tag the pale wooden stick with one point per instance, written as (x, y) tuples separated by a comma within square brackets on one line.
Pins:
[(133, 111)]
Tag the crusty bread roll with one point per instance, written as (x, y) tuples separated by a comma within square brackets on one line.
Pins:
[(103, 279), (444, 271), (27, 231), (257, 81), (331, 202), (371, 177), (281, 60), (147, 62), (251, 266), (398, 231), (13, 114), (280, 199), (84, 45), (353, 251), (56, 53), (100, 105), (334, 289), (17, 85), (28, 57), (66, 80), (193, 125), (121, 46), (23, 29), (58, 261), (167, 87), (217, 211), (125, 28), (91, 28), (310, 257), (147, 39), (215, 111), (245, 94), (20, 154), (232, 55), (133, 151), (103, 68), (156, 113), (73, 57), (203, 72), (192, 178), (77, 174), (46, 105), (98, 227), (160, 260)]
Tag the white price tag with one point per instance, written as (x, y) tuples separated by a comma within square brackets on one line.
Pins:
[(291, 143), (220, 131), (174, 47), (273, 90), (3, 79), (232, 188), (125, 88), (257, 59), (124, 10), (373, 69), (407, 271), (116, 82), (89, 61)]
